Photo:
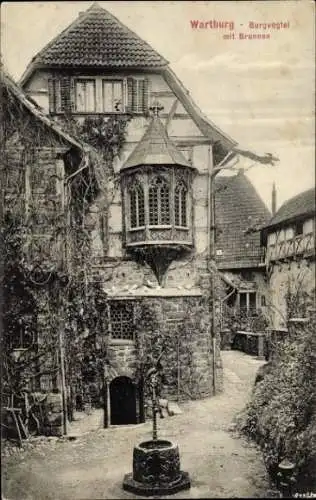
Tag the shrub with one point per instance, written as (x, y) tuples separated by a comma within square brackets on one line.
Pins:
[(281, 415)]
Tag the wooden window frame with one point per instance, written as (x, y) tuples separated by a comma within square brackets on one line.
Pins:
[(85, 80), (247, 293), (123, 92)]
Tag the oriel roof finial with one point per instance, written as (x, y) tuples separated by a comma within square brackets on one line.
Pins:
[(156, 107)]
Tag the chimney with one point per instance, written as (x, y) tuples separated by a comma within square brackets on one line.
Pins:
[(274, 199)]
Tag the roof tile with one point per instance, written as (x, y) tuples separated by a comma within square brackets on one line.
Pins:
[(301, 204), (155, 148), (239, 211), (97, 38)]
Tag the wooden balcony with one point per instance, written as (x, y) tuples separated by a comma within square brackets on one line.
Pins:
[(301, 246)]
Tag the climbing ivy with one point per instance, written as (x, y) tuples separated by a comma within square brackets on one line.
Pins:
[(53, 293)]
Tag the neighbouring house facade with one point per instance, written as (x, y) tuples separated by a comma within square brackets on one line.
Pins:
[(40, 173), (289, 241), (239, 213), (149, 226)]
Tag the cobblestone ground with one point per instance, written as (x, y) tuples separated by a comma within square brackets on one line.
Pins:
[(220, 463)]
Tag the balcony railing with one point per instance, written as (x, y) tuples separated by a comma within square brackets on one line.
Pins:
[(302, 245), (163, 235)]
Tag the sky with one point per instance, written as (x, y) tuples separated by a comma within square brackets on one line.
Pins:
[(260, 92)]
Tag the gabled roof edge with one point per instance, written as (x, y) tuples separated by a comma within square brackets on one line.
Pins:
[(18, 92), (206, 126), (34, 64)]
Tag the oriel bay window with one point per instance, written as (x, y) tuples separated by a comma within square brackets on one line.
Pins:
[(158, 205)]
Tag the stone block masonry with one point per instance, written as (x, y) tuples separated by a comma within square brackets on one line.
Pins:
[(182, 325)]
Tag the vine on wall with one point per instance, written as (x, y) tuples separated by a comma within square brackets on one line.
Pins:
[(172, 342), (52, 291)]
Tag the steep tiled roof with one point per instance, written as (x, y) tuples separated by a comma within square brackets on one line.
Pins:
[(239, 212), (298, 206), (155, 148), (11, 88), (98, 39)]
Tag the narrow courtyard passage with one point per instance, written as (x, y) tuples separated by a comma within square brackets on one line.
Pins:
[(220, 463)]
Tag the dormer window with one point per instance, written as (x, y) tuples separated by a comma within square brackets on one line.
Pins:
[(180, 205), (98, 94), (85, 95), (159, 203), (137, 206), (113, 101)]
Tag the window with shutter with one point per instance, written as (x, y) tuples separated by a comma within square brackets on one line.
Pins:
[(137, 95), (54, 95), (98, 95)]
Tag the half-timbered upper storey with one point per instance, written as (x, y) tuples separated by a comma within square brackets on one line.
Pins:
[(290, 233)]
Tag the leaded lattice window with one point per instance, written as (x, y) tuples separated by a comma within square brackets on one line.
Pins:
[(159, 203), (122, 320), (137, 206), (180, 205)]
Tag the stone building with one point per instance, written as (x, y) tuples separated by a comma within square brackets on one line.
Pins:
[(151, 224), (37, 158), (239, 213), (39, 169), (289, 242)]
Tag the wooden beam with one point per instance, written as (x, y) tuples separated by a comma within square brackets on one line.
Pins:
[(162, 93), (171, 113)]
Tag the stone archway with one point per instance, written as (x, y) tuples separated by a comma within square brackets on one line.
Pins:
[(123, 401)]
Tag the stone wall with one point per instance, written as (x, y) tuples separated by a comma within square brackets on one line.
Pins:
[(298, 277), (182, 323)]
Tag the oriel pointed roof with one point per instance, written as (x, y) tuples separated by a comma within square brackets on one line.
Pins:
[(155, 148), (97, 39)]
